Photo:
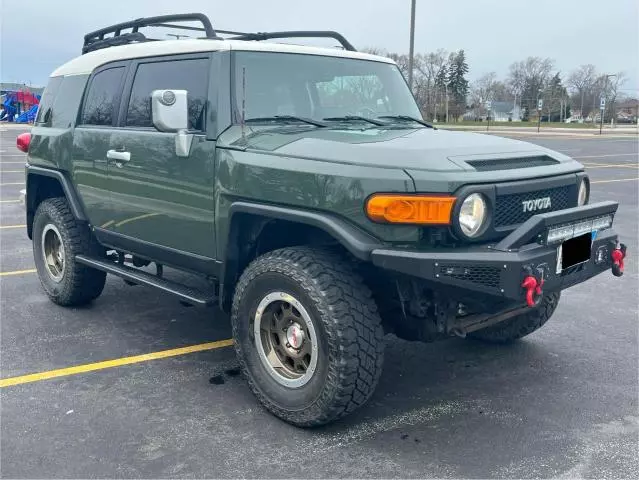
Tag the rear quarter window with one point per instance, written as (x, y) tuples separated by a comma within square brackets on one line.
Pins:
[(64, 110), (46, 102)]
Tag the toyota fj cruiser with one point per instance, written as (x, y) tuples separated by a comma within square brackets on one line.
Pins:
[(304, 184)]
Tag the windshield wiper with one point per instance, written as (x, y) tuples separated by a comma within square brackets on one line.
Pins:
[(408, 118), (286, 118), (355, 118)]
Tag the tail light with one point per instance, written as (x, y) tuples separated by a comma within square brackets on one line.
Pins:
[(23, 141)]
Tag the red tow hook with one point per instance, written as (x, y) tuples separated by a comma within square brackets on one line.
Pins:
[(533, 287), (618, 254)]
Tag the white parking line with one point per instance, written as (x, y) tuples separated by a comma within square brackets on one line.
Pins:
[(610, 155), (616, 180), (618, 165)]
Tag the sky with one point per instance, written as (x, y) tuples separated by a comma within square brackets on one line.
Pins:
[(34, 40)]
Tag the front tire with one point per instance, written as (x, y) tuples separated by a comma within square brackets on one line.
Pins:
[(307, 335), (57, 238), (521, 325)]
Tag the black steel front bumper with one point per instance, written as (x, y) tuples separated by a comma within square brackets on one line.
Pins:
[(499, 269)]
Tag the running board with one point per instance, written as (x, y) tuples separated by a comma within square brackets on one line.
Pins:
[(184, 293)]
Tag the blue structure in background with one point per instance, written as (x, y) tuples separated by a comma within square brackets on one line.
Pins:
[(28, 116), (13, 104)]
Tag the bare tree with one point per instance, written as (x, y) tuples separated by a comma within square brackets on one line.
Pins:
[(528, 78), (482, 90), (581, 82), (612, 85), (432, 67)]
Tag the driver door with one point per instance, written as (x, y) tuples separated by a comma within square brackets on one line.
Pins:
[(163, 204)]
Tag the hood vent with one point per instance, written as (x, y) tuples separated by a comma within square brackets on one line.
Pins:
[(511, 163)]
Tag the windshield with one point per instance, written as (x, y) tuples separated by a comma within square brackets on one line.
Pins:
[(318, 87)]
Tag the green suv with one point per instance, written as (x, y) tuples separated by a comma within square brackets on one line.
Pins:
[(304, 185)]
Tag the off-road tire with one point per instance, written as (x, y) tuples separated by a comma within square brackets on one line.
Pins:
[(348, 328), (521, 325), (80, 284)]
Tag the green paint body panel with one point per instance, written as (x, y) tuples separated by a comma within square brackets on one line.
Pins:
[(160, 198), (183, 204)]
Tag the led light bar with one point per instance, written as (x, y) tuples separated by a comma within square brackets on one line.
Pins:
[(566, 232)]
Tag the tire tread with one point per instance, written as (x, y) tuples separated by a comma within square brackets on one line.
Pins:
[(83, 284), (352, 324)]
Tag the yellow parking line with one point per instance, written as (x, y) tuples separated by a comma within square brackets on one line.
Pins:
[(3, 227), (17, 272), (9, 201), (118, 362), (617, 180)]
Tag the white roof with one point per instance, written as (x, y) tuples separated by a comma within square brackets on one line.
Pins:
[(86, 63)]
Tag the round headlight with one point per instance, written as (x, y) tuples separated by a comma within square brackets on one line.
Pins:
[(584, 192), (472, 215)]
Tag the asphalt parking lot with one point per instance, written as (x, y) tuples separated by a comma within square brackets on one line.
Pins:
[(561, 403)]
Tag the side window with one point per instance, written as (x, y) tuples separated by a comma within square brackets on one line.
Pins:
[(101, 103), (190, 75), (46, 102)]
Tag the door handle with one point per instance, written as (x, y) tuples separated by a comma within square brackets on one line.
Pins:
[(119, 156)]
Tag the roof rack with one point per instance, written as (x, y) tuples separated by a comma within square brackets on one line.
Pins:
[(292, 34), (96, 40), (99, 39)]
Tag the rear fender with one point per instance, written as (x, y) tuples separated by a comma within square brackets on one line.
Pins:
[(43, 183)]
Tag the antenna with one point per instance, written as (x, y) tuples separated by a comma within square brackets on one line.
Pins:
[(243, 99)]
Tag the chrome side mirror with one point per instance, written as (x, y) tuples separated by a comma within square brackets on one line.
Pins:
[(170, 113)]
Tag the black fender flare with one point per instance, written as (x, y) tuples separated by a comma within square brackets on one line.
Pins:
[(356, 241), (65, 183), (31, 172)]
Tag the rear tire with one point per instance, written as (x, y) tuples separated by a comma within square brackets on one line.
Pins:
[(57, 238), (521, 325), (298, 295)]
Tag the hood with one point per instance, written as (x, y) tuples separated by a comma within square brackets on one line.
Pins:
[(422, 152)]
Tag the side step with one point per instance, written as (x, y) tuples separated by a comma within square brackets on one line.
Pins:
[(184, 293)]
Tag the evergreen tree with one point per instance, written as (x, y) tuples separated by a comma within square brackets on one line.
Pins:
[(457, 83), (555, 98)]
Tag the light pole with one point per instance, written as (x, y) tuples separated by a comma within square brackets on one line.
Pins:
[(411, 50)]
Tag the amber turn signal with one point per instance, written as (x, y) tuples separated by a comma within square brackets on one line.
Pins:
[(412, 209)]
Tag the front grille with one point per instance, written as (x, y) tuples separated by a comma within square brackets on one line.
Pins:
[(511, 163), (509, 209), (482, 275)]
